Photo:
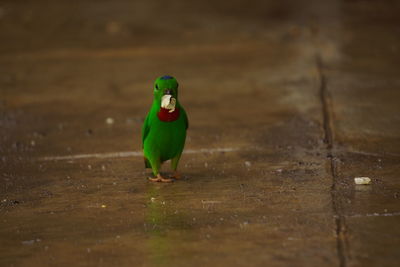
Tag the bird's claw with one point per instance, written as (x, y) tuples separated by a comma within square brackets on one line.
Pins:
[(160, 179)]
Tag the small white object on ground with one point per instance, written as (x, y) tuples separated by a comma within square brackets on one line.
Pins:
[(110, 121), (362, 180)]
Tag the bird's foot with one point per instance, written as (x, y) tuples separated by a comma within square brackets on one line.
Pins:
[(160, 179), (176, 175)]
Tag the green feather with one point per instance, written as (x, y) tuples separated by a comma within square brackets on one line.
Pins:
[(162, 140)]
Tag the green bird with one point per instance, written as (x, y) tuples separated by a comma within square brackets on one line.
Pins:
[(164, 129)]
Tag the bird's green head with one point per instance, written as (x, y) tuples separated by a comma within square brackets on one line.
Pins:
[(165, 85), (166, 91)]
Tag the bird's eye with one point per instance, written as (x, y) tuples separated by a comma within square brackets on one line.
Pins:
[(156, 86)]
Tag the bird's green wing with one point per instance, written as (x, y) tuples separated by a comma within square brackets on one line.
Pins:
[(145, 128), (186, 118)]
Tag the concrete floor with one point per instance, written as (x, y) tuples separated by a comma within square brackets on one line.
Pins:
[(287, 103)]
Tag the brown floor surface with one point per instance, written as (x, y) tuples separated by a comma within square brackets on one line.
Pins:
[(287, 103)]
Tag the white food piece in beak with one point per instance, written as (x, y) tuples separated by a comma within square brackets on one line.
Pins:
[(168, 102)]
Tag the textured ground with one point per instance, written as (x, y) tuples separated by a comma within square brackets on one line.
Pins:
[(287, 103)]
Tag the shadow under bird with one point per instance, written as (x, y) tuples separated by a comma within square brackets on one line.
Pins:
[(164, 129)]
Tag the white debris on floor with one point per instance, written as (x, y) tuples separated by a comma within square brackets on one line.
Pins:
[(110, 121), (362, 180)]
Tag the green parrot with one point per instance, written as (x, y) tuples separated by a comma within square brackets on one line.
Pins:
[(164, 129)]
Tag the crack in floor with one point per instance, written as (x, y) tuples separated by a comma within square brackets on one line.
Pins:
[(341, 238)]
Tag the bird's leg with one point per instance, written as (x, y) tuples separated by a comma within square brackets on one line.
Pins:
[(174, 166), (155, 166), (161, 179)]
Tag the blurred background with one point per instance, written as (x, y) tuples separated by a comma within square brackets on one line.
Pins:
[(296, 97)]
